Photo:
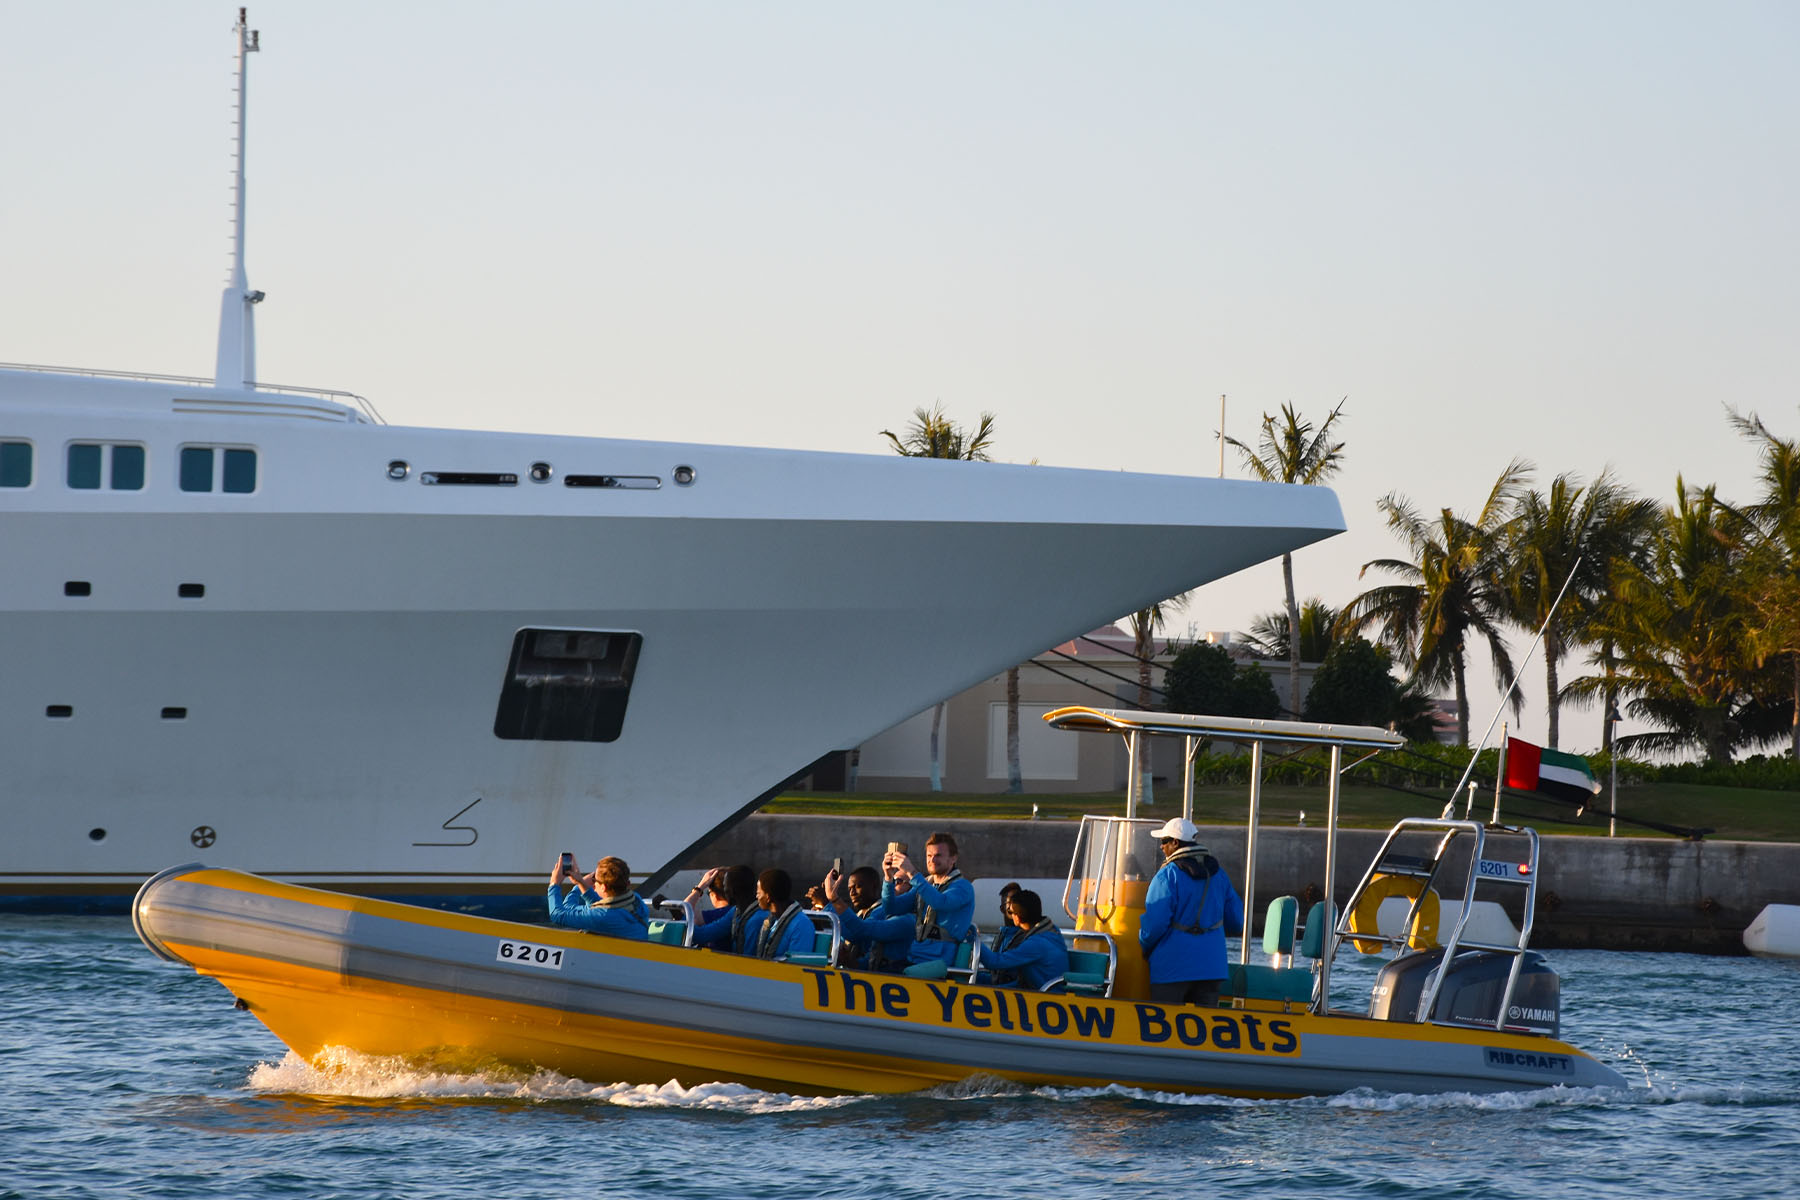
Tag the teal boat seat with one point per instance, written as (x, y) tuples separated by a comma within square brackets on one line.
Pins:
[(819, 955), (1278, 926), (668, 933), (1318, 927), (1291, 985), (1087, 974), (932, 968)]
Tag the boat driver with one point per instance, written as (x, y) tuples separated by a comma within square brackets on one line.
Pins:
[(613, 908), (1188, 909), (1034, 958), (921, 918)]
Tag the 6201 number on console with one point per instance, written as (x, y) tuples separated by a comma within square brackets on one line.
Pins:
[(530, 954)]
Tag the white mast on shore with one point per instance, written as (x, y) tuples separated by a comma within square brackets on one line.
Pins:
[(237, 325)]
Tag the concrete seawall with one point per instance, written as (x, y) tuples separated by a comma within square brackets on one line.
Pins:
[(1593, 893)]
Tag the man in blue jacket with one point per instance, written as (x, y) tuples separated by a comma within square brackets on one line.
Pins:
[(785, 928), (1188, 909), (1035, 958), (612, 909), (921, 919)]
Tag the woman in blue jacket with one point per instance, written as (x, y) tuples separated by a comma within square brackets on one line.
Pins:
[(1188, 909), (1036, 959)]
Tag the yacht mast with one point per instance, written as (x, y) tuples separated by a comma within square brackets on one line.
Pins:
[(237, 326)]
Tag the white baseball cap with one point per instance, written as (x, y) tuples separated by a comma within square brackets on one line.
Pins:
[(1179, 828)]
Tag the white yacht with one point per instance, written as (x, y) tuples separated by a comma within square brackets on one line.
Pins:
[(420, 662)]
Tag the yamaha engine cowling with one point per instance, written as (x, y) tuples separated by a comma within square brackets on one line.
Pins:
[(1472, 991)]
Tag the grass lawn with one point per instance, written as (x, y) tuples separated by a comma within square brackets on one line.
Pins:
[(1743, 814)]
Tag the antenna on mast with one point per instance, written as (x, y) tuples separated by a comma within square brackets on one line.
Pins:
[(237, 325)]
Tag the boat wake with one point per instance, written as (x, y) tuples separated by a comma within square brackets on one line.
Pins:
[(342, 1073), (339, 1072)]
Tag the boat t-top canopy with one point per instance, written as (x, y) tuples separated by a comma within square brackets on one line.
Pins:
[(1236, 729), (1256, 732)]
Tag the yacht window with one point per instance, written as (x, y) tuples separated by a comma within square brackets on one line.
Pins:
[(217, 469), (124, 466), (240, 471), (196, 469), (15, 464), (567, 685), (84, 466), (127, 468)]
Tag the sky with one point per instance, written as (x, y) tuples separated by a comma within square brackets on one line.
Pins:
[(1563, 232)]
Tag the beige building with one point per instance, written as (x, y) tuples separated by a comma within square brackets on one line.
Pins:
[(1097, 669)]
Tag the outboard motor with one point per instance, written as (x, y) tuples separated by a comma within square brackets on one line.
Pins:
[(1472, 991)]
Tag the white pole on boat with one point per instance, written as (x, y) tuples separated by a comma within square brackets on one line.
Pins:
[(1190, 746), (1450, 808), (236, 364), (1256, 760), (1131, 784), (1330, 900), (1500, 774)]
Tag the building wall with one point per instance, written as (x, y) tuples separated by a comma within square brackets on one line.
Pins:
[(971, 738)]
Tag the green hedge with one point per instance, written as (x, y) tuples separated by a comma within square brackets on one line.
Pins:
[(1431, 766)]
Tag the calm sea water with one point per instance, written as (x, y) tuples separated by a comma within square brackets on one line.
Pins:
[(121, 1075)]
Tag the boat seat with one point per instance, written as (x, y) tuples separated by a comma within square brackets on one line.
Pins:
[(1290, 985), (668, 933), (828, 941), (1318, 927), (819, 955), (1087, 974), (1278, 929), (1090, 972)]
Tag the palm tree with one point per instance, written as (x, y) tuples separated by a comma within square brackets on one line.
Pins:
[(934, 435), (1267, 636), (1684, 656), (1293, 452), (1777, 516), (1568, 535), (1452, 588)]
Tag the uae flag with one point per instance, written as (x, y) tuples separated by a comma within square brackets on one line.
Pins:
[(1532, 768)]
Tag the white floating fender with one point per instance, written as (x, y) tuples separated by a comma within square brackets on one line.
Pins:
[(1775, 933), (1487, 923)]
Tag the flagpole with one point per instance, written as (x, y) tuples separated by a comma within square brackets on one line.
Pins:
[(1500, 775), (1450, 808)]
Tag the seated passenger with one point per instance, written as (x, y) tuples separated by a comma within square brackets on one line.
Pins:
[(1009, 933), (864, 885), (614, 909), (730, 928), (1035, 959), (708, 896), (785, 928), (921, 918)]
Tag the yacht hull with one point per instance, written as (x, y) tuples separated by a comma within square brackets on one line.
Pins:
[(308, 676)]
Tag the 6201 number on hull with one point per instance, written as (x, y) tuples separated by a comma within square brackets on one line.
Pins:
[(529, 954)]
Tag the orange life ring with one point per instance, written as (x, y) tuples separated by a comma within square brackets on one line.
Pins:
[(1365, 917)]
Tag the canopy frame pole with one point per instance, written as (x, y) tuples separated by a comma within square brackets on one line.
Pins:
[(1256, 764)]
